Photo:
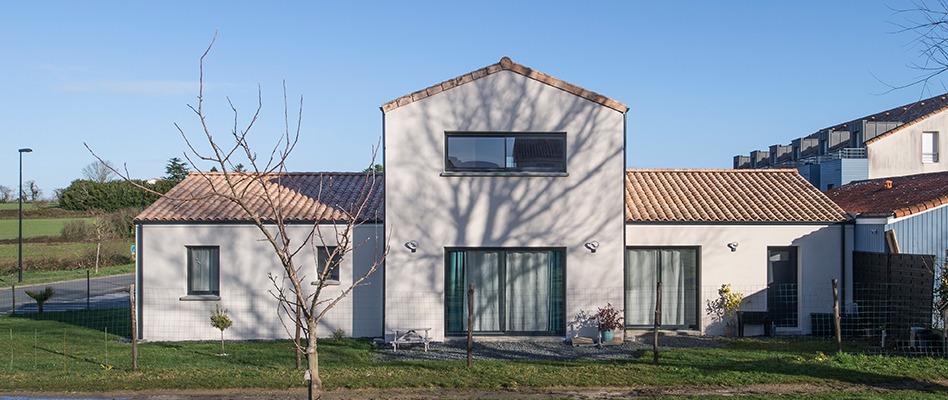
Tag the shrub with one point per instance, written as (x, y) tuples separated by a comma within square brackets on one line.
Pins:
[(77, 231)]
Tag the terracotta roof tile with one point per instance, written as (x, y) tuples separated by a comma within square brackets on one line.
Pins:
[(772, 195), (505, 64), (325, 196), (909, 195)]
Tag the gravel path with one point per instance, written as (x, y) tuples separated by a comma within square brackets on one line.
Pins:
[(538, 349)]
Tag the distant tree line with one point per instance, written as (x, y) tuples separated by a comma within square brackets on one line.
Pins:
[(85, 195)]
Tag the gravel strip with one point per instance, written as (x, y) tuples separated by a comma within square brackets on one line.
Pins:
[(538, 349)]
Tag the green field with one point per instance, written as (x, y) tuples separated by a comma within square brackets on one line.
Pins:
[(14, 206), (36, 227), (31, 277)]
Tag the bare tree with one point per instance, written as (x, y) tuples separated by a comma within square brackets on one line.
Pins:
[(258, 195), (32, 192), (6, 194), (98, 171), (927, 21)]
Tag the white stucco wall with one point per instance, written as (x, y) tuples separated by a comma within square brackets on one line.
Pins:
[(901, 152), (819, 261), (246, 259), (501, 211)]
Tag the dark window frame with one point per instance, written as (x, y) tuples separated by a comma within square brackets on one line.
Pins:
[(323, 253), (697, 289), (215, 264), (560, 170), (502, 292)]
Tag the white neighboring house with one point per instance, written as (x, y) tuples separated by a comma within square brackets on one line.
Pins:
[(500, 179), (769, 233), (203, 252)]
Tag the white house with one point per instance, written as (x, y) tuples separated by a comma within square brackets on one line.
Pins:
[(501, 178), (197, 251), (769, 233), (514, 183)]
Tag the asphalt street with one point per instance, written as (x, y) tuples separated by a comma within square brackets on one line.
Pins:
[(97, 293)]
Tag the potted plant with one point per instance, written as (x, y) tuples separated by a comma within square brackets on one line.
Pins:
[(609, 320), (724, 308)]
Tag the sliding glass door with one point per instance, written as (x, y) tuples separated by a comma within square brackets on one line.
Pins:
[(519, 291), (677, 270)]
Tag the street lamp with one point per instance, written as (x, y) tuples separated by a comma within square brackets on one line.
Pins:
[(20, 235)]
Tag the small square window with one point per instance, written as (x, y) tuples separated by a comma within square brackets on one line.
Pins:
[(326, 257), (204, 270)]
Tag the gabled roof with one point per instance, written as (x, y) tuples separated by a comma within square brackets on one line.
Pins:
[(907, 115), (745, 195), (908, 195), (308, 196), (505, 64)]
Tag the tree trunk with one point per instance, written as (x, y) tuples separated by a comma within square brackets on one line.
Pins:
[(98, 248), (222, 342), (312, 361)]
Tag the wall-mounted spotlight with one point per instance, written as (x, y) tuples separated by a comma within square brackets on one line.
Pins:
[(411, 245), (592, 246), (732, 246)]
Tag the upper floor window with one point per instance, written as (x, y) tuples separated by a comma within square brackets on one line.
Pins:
[(505, 152), (929, 147)]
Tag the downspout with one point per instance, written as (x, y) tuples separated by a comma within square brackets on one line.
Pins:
[(625, 168), (384, 224), (138, 276)]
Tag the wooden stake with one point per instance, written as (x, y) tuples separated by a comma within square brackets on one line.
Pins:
[(658, 323), (131, 299), (836, 317), (470, 325)]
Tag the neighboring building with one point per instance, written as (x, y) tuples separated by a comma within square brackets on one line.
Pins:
[(198, 251), (901, 141), (501, 177), (768, 233), (910, 212)]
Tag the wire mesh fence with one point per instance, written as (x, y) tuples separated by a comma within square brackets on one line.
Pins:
[(87, 323), (66, 325)]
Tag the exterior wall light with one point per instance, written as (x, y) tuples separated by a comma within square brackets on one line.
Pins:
[(411, 245), (592, 246), (732, 246)]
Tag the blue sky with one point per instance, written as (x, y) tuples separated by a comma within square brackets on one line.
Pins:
[(704, 80)]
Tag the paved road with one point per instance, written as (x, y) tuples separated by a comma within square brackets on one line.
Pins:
[(104, 292)]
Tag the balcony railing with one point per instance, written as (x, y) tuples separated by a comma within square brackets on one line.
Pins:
[(848, 152)]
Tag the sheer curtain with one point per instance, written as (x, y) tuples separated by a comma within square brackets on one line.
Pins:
[(528, 291), (483, 271), (640, 279)]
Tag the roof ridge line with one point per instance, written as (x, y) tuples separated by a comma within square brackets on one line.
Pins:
[(505, 64)]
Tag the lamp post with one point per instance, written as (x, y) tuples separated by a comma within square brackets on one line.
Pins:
[(20, 235)]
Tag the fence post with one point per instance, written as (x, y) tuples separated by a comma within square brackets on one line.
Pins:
[(470, 325), (658, 323), (836, 317), (88, 289), (131, 299)]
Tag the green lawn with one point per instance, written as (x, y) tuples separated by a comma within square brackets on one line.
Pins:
[(35, 227), (50, 355)]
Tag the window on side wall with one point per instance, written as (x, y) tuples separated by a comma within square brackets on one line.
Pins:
[(929, 147), (323, 256), (513, 153), (204, 270)]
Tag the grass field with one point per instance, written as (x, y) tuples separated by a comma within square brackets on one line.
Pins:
[(36, 277), (41, 251), (51, 355), (16, 206), (35, 227)]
